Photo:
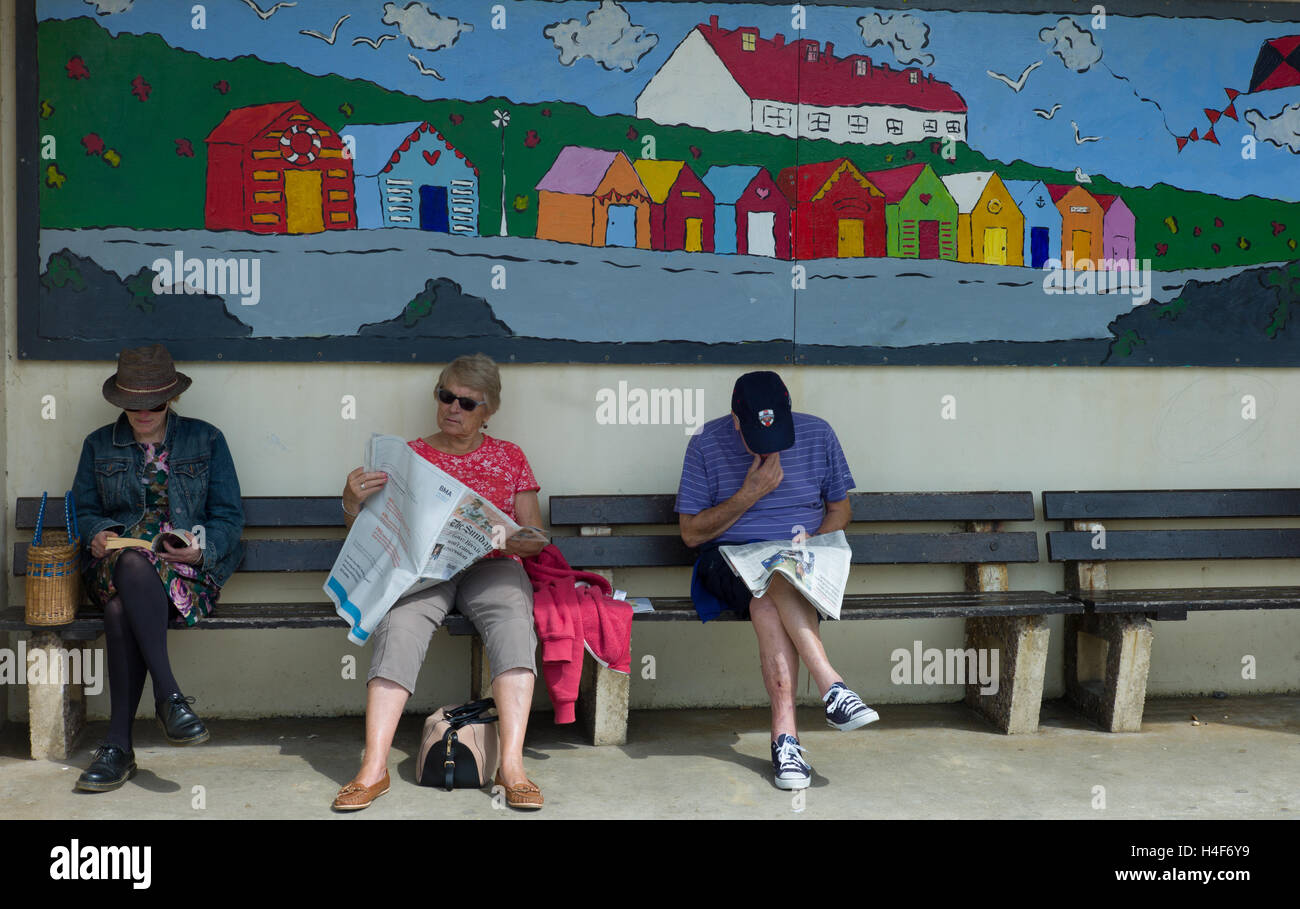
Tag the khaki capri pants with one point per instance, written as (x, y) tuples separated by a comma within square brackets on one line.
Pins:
[(494, 594)]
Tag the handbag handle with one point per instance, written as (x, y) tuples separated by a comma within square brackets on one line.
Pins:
[(40, 519), (70, 517)]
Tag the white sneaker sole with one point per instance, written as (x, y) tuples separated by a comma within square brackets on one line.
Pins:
[(801, 783), (869, 717)]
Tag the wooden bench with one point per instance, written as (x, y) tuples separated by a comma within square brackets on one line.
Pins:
[(996, 617), (57, 711), (1108, 648)]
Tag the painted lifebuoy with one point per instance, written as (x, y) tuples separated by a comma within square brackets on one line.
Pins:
[(300, 144)]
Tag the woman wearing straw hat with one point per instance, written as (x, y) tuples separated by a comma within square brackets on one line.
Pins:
[(151, 472)]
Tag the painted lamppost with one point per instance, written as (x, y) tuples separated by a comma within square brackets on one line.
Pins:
[(501, 121)]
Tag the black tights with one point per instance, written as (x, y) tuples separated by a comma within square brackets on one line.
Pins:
[(135, 624)]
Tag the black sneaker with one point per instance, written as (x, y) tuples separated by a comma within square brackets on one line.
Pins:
[(845, 710), (792, 771), (110, 769), (179, 723)]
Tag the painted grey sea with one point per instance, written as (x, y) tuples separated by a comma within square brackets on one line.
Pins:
[(334, 282)]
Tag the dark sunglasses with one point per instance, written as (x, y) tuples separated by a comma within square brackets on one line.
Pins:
[(159, 409), (466, 404)]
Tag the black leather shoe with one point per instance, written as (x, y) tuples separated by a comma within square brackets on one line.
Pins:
[(111, 768), (178, 722)]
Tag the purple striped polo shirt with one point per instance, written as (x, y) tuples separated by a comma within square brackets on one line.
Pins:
[(815, 472)]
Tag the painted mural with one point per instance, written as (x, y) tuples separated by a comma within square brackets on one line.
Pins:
[(661, 182)]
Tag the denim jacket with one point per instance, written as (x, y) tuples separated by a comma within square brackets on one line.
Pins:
[(202, 488)]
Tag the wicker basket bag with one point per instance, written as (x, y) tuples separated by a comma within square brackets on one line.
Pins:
[(53, 570)]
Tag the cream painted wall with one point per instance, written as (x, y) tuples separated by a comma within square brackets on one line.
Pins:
[(1016, 428)]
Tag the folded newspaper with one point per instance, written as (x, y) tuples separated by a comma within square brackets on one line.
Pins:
[(422, 528), (818, 568)]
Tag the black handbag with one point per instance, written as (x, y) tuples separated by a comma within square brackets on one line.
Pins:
[(460, 747)]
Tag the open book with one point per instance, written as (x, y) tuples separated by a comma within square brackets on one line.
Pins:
[(423, 527), (177, 539), (818, 568)]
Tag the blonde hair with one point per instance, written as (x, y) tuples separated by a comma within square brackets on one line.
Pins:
[(477, 371)]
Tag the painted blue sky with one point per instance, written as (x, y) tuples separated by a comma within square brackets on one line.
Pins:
[(1183, 65)]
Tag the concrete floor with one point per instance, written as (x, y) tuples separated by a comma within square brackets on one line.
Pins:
[(919, 761)]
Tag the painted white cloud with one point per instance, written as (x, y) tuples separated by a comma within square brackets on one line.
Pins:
[(1283, 129), (1075, 46), (425, 30), (608, 37), (109, 7), (903, 33)]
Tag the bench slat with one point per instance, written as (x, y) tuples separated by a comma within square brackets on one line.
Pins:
[(1172, 503), (259, 555), (1194, 599), (89, 623), (1171, 545), (867, 506), (859, 607), (649, 550), (259, 511)]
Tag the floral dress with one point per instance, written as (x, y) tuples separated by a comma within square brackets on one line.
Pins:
[(193, 592)]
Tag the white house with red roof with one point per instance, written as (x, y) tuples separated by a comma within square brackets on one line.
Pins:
[(734, 79)]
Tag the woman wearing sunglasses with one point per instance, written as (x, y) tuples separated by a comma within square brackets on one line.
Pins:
[(493, 593), (150, 473)]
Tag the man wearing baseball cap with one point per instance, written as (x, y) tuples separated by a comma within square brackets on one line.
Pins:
[(764, 473)]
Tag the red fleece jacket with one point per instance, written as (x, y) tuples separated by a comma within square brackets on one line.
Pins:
[(574, 611)]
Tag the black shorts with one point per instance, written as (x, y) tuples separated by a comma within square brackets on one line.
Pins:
[(716, 576)]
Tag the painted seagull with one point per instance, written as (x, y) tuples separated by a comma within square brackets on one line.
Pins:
[(1078, 139), (1047, 114), (373, 42), (424, 70), (270, 12), (334, 32), (1080, 176), (1019, 83)]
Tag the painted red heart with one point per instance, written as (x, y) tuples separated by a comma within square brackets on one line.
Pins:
[(1215, 247), (762, 192), (1278, 228), (926, 197), (1196, 231), (1162, 248), (405, 146), (1218, 222), (433, 158)]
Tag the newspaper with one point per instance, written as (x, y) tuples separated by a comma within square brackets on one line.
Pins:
[(423, 527), (817, 567)]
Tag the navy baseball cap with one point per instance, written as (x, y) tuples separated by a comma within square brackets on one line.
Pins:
[(761, 403)]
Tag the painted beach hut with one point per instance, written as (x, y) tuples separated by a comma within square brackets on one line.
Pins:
[(409, 175), (277, 169), (681, 206), (1081, 224), (1042, 220), (751, 215), (593, 197), (920, 213), (1119, 232), (990, 227), (838, 213)]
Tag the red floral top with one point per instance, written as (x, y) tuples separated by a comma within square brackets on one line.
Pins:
[(497, 469)]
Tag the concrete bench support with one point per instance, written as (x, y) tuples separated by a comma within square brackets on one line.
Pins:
[(603, 693), (57, 706), (1021, 645), (1107, 657)]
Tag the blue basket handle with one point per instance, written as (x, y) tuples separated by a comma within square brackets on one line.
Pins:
[(70, 517), (40, 519)]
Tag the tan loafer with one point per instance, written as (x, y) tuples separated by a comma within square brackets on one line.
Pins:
[(526, 795), (354, 796)]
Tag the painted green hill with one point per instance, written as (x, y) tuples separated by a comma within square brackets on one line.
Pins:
[(123, 161)]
